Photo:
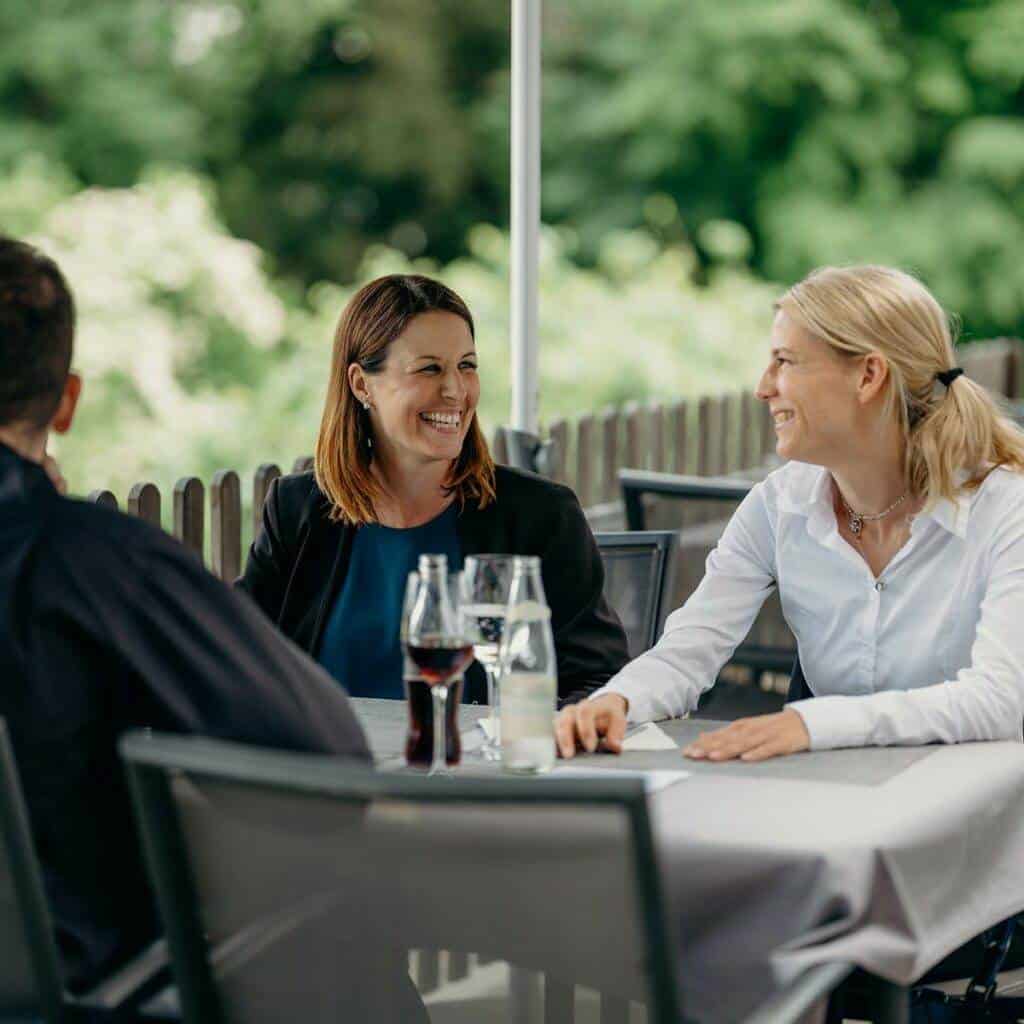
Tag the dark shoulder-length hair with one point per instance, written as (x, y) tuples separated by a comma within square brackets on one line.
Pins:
[(374, 317)]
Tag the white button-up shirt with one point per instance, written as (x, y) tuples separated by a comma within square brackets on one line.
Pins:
[(931, 650)]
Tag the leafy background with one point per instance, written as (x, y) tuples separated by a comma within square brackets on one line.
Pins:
[(218, 177)]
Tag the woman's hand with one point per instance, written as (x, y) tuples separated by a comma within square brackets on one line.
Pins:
[(584, 725), (753, 739)]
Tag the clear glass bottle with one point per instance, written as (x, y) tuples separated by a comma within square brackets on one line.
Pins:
[(528, 674)]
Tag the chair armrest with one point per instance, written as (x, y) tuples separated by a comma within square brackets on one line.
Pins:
[(797, 998)]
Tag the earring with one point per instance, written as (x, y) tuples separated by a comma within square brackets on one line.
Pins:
[(366, 406)]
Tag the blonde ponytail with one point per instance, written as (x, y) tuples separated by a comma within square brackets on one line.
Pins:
[(958, 442), (955, 434)]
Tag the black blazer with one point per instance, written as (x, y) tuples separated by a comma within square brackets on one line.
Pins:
[(298, 561)]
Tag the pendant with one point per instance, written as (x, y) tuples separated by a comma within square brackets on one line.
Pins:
[(856, 524)]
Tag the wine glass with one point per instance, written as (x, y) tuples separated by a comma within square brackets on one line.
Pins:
[(484, 590), (437, 645)]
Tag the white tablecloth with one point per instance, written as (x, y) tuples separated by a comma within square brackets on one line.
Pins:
[(886, 858)]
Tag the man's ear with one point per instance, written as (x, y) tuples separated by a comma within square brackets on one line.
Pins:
[(62, 418), (873, 377)]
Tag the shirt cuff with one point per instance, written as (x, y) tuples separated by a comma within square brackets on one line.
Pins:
[(831, 722), (639, 710)]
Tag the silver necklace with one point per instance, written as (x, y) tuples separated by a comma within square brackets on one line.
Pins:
[(857, 520)]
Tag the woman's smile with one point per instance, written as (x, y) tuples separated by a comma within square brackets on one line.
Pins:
[(445, 422)]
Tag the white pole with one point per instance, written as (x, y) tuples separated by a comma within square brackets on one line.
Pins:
[(525, 213)]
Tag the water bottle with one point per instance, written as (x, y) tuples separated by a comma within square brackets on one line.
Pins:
[(528, 674)]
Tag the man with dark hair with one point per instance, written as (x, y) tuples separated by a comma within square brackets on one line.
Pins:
[(106, 624)]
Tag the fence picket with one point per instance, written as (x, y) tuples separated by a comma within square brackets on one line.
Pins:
[(226, 525), (104, 498), (726, 431), (750, 441), (499, 450), (144, 502), (559, 437), (188, 513), (990, 363), (585, 460), (679, 419), (705, 456), (633, 456), (609, 454), (767, 431), (656, 437), (264, 476)]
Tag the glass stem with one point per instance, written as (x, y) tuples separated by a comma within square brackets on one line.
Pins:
[(440, 762)]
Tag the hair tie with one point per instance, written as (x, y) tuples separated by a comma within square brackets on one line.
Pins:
[(948, 376)]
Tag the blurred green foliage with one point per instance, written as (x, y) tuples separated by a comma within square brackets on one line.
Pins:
[(202, 168), (792, 133)]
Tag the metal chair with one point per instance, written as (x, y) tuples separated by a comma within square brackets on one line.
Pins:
[(637, 571), (292, 887), (523, 450), (769, 646), (30, 979)]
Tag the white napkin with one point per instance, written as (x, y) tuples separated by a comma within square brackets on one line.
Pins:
[(648, 737)]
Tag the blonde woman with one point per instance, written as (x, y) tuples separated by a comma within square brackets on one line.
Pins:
[(894, 533)]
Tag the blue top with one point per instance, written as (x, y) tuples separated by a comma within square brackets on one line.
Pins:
[(361, 646)]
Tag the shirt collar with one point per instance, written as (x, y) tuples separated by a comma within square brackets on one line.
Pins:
[(951, 514)]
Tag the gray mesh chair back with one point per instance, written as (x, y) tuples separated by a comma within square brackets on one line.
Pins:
[(702, 506), (636, 570), (30, 983), (294, 887), (523, 450)]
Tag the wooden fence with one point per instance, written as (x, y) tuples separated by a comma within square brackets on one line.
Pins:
[(707, 436)]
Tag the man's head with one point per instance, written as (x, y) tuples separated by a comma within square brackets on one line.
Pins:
[(37, 316)]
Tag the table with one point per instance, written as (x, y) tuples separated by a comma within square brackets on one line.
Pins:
[(888, 858)]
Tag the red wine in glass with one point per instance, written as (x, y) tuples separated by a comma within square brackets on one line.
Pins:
[(439, 660), (419, 743)]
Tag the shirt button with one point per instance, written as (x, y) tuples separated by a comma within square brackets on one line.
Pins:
[(879, 585)]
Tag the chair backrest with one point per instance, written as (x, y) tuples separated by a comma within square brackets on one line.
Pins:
[(523, 450), (705, 505), (30, 983), (636, 578), (293, 887)]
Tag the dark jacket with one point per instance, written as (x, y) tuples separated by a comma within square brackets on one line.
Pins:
[(106, 624), (298, 561)]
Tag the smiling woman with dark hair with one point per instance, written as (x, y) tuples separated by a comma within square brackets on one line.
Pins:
[(402, 468)]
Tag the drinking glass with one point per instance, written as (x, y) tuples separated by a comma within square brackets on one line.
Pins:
[(437, 645), (484, 594)]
